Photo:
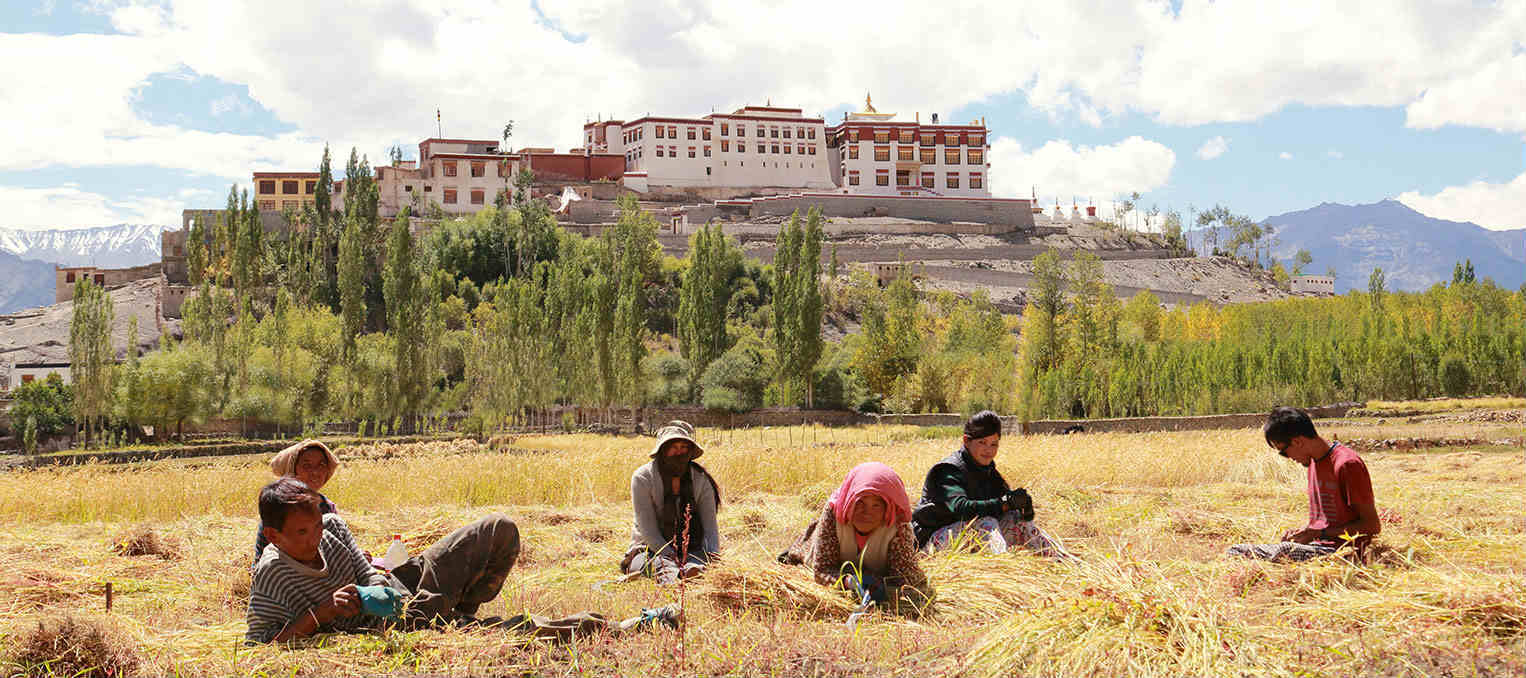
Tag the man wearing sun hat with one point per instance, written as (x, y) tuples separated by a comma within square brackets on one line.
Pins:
[(675, 501)]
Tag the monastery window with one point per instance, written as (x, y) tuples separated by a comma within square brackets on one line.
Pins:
[(450, 196), (289, 187), (289, 204), (706, 133), (725, 145), (882, 177), (741, 130), (928, 138), (267, 186), (691, 151), (707, 151), (951, 156), (69, 277), (906, 136), (951, 139), (904, 153), (725, 128), (853, 135), (478, 196), (929, 156), (774, 132), (786, 148), (659, 151), (976, 180), (977, 139), (408, 189), (450, 167), (953, 180), (903, 177), (312, 187), (853, 152), (813, 151), (881, 153), (661, 132), (775, 149), (881, 137), (762, 131), (786, 132), (741, 146), (800, 133), (707, 171), (977, 156), (813, 133), (800, 148), (853, 178), (479, 168), (672, 151), (672, 131), (267, 204)]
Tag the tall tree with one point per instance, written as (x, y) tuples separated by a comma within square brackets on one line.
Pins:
[(808, 305), (91, 356), (405, 320), (703, 300), (786, 301), (324, 233), (352, 285)]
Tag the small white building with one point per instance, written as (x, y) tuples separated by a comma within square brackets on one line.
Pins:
[(1322, 285), (17, 374)]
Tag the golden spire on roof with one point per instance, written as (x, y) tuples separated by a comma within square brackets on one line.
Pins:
[(868, 104)]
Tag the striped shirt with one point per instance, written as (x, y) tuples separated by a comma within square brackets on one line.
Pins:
[(284, 590)]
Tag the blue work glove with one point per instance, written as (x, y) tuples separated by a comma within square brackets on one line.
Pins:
[(381, 601)]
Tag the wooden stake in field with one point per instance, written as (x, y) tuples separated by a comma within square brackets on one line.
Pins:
[(108, 597)]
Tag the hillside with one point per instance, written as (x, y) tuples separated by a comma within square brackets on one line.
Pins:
[(24, 283), (1415, 251)]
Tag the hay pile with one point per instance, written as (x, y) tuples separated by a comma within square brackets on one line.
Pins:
[(82, 647)]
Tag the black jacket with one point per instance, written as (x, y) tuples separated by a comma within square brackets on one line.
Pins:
[(957, 489)]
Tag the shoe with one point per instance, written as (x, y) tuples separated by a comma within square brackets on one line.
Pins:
[(667, 615)]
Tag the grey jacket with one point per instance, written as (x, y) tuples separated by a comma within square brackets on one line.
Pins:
[(646, 499)]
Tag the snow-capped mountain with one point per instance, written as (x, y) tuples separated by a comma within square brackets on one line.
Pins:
[(117, 246)]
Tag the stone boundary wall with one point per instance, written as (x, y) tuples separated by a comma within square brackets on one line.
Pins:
[(1014, 214)]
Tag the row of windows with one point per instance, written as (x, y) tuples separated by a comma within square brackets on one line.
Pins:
[(270, 205), (788, 149), (927, 156), (903, 178), (927, 138), (478, 196), (775, 132), (478, 168), (288, 186)]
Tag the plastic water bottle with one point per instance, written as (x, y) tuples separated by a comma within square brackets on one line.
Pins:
[(397, 553)]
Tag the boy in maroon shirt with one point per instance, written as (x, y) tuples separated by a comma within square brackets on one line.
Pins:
[(1341, 507)]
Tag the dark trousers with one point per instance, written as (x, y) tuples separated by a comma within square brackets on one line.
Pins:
[(462, 571)]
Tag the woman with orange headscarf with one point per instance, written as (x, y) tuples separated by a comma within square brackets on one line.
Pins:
[(863, 539)]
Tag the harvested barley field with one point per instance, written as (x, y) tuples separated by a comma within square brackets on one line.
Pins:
[(1444, 591)]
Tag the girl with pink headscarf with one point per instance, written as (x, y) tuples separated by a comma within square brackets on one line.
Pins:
[(863, 539)]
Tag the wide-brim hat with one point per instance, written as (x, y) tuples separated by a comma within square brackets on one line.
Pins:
[(676, 430)]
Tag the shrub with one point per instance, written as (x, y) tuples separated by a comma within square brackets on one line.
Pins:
[(1455, 377), (735, 381)]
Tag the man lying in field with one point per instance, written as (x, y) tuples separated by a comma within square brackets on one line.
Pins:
[(1341, 506), (312, 578)]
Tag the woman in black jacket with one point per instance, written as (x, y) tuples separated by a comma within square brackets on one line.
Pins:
[(964, 491)]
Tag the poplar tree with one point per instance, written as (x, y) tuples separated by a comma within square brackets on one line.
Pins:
[(91, 357), (785, 305), (352, 281), (196, 250), (808, 305), (704, 298), (405, 318)]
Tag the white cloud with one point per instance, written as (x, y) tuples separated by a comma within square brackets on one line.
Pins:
[(1494, 206), (1490, 95), (1285, 155), (1332, 153), (381, 76), (1213, 148), (68, 206), (1059, 169), (228, 103)]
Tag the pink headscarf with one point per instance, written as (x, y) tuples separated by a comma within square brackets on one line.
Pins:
[(877, 479)]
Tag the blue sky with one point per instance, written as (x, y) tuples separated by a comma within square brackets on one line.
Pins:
[(136, 110)]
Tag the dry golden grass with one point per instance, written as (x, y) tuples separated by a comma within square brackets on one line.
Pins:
[(1379, 407), (1149, 514)]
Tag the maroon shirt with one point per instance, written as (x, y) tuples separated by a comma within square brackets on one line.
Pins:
[(1337, 483)]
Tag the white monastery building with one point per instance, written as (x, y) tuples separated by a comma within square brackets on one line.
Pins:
[(770, 147), (874, 154)]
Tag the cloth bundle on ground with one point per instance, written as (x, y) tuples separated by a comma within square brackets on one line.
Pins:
[(885, 560)]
